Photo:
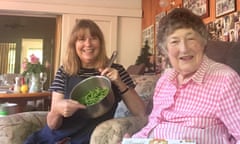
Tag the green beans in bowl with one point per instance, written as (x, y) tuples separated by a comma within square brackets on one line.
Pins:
[(95, 92)]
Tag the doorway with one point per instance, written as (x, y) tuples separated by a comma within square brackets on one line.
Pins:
[(26, 35)]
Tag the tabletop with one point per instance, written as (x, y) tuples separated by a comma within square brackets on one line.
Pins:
[(25, 95)]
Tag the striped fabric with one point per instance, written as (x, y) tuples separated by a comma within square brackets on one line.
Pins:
[(206, 108)]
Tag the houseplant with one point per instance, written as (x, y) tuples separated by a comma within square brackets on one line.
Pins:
[(32, 70)]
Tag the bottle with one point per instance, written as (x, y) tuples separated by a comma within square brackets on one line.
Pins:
[(3, 111), (17, 85), (24, 86)]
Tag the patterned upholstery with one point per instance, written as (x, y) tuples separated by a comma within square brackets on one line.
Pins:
[(145, 85), (15, 128), (112, 131)]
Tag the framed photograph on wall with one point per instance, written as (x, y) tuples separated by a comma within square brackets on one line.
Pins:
[(148, 35), (158, 17), (158, 55), (199, 7), (224, 7)]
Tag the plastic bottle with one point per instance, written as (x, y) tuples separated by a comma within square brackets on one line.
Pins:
[(17, 85), (3, 111)]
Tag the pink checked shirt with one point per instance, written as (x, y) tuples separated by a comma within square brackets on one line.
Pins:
[(206, 108)]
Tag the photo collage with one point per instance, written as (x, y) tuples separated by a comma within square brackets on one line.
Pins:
[(225, 28)]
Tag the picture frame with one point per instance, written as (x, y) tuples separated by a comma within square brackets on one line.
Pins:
[(199, 7), (158, 17), (158, 55), (148, 35), (224, 7), (237, 31)]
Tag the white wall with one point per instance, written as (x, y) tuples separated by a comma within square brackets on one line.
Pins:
[(127, 12), (129, 41)]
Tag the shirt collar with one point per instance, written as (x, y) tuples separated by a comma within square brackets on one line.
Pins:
[(198, 75)]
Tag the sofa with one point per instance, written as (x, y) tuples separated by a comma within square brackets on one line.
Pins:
[(15, 128)]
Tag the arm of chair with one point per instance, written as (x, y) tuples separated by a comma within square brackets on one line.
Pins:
[(17, 127), (112, 131)]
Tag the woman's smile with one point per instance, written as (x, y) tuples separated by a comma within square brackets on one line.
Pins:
[(186, 58), (88, 50)]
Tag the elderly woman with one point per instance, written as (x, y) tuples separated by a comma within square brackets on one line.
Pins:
[(198, 99)]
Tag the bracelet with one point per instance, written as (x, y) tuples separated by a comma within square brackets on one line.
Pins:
[(123, 92)]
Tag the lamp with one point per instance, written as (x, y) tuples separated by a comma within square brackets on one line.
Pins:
[(163, 3), (166, 3)]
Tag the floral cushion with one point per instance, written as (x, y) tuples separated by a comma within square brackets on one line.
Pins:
[(145, 85), (113, 130), (14, 129)]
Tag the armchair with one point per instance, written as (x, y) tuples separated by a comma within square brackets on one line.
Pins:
[(112, 131), (15, 128)]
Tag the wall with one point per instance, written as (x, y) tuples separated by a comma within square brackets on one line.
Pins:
[(128, 15), (152, 8)]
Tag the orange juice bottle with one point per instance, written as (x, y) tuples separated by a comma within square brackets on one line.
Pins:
[(24, 86)]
